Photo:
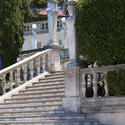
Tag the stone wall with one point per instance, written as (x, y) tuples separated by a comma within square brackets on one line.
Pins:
[(109, 110)]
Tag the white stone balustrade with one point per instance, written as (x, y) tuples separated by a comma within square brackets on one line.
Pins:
[(92, 77), (42, 26), (18, 72)]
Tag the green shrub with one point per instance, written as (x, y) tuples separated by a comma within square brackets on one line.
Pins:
[(116, 83)]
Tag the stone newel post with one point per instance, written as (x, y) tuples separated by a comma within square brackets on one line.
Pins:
[(52, 21), (72, 100)]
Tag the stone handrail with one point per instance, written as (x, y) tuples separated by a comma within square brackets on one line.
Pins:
[(25, 70), (92, 78)]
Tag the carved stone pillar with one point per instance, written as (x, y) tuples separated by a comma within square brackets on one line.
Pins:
[(71, 35), (52, 21)]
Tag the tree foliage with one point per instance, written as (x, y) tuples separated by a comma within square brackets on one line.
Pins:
[(38, 3), (116, 82), (100, 26), (11, 30)]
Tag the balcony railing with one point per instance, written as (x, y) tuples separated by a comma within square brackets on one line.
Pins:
[(42, 26)]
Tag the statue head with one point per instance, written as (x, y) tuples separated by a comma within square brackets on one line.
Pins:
[(52, 4), (71, 9)]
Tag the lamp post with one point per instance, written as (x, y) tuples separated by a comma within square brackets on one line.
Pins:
[(34, 40)]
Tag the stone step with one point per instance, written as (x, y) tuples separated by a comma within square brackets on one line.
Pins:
[(25, 104), (42, 90), (50, 122), (54, 76), (31, 107), (49, 80), (56, 73), (45, 87), (39, 114), (56, 124), (38, 84), (29, 100), (45, 117), (32, 112), (18, 97), (40, 94)]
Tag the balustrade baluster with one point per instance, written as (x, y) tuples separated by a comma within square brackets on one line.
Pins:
[(43, 63), (31, 69), (18, 75), (46, 62), (38, 65), (106, 86), (35, 68), (3, 84), (49, 62), (95, 84), (25, 72), (11, 80), (83, 86)]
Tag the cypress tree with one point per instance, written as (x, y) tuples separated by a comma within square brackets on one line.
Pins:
[(11, 30)]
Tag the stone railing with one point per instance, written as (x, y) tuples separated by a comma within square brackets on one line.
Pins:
[(93, 78), (42, 26), (26, 69)]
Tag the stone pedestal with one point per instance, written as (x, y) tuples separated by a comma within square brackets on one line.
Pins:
[(71, 101), (55, 58)]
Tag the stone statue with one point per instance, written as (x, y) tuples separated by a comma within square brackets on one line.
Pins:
[(52, 21), (71, 10), (71, 35), (64, 33), (51, 6)]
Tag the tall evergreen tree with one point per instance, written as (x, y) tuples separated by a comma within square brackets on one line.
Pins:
[(11, 30), (100, 28)]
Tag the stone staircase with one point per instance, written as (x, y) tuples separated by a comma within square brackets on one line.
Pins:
[(41, 104)]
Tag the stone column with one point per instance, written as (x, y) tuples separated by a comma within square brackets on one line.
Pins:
[(72, 100), (52, 21), (71, 35)]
